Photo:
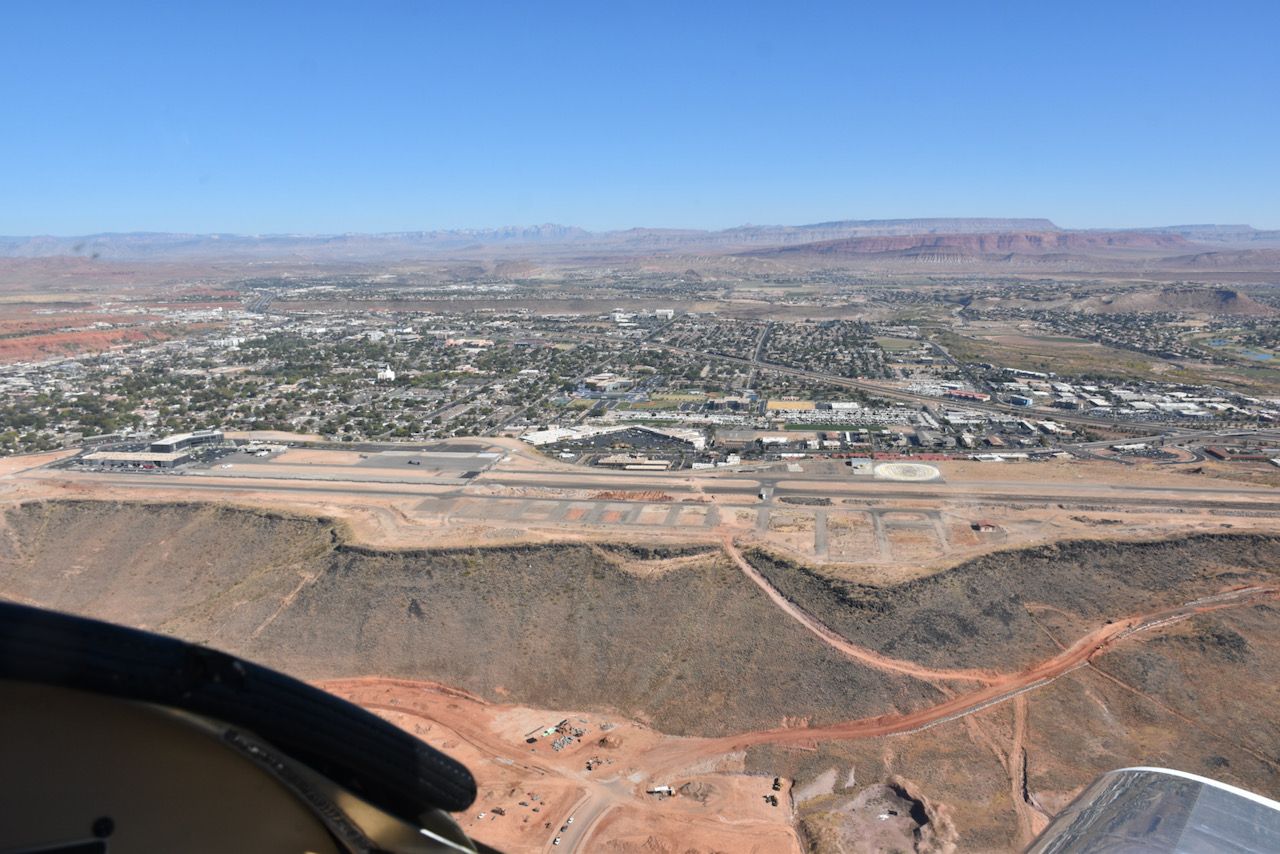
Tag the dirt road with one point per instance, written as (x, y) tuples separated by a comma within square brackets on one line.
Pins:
[(832, 639), (611, 804), (541, 790), (586, 814), (1078, 654)]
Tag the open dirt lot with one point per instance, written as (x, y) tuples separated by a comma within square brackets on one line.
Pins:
[(535, 788)]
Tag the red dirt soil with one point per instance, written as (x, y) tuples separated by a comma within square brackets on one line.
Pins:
[(1078, 654), (613, 811), (44, 346), (724, 809)]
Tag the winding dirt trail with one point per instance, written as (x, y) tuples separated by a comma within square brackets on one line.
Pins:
[(1077, 655), (651, 759), (840, 644)]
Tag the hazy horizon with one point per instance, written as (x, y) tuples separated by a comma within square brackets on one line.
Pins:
[(479, 229)]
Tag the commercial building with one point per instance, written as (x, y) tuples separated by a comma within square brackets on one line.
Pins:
[(694, 438), (961, 394), (182, 441), (137, 459), (607, 382), (634, 462)]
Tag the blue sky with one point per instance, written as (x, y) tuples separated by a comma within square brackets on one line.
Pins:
[(380, 116)]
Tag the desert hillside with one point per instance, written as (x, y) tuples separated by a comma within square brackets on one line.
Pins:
[(685, 640), (694, 648)]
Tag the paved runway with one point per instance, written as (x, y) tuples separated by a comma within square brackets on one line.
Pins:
[(827, 517), (737, 487)]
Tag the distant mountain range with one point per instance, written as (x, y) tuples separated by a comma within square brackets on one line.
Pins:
[(141, 245), (902, 241), (994, 243)]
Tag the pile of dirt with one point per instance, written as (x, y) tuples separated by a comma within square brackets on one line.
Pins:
[(700, 791), (696, 650), (889, 816), (984, 613)]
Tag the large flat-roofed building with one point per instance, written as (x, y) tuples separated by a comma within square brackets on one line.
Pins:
[(182, 441), (137, 459), (634, 462), (608, 382)]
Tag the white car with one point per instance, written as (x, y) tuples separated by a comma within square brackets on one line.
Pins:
[(556, 841), (570, 821)]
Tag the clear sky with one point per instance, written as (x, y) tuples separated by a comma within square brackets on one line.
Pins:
[(381, 116)]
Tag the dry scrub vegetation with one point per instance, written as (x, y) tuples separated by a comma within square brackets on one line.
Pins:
[(695, 649), (983, 613), (680, 638)]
